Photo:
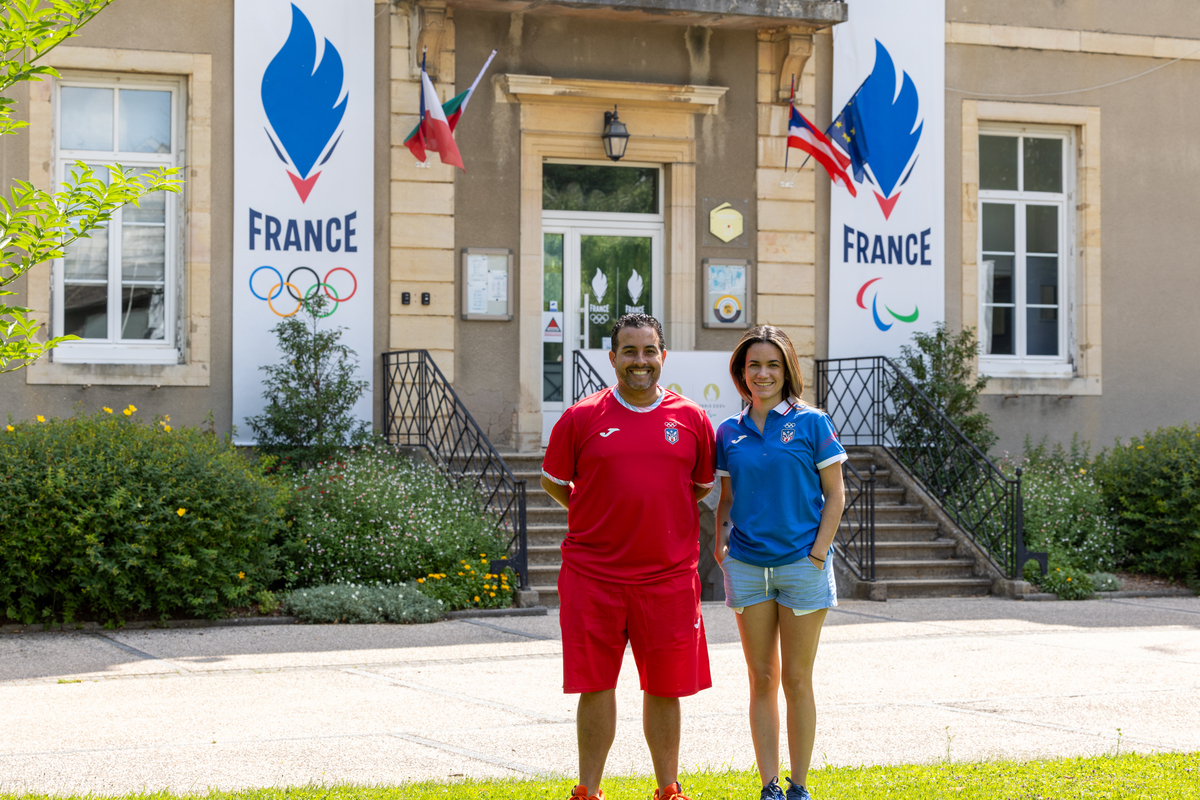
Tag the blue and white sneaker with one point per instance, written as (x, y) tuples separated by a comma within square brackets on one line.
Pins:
[(772, 791), (795, 792)]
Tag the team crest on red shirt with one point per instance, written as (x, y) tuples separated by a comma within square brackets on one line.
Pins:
[(786, 435), (672, 435)]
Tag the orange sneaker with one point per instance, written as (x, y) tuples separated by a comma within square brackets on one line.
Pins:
[(672, 792), (581, 793)]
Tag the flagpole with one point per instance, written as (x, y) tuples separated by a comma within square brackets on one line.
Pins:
[(791, 101), (478, 78)]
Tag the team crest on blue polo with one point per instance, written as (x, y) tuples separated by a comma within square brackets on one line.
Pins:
[(789, 431), (672, 435)]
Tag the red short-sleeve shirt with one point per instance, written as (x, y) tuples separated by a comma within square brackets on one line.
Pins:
[(632, 516)]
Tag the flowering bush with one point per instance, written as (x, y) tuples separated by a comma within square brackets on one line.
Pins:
[(1065, 511), (379, 517), (467, 587), (1066, 582), (105, 517), (1153, 484), (363, 604)]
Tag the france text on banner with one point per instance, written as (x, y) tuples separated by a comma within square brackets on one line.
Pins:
[(303, 183), (887, 245)]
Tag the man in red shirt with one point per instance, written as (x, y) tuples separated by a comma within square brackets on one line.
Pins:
[(629, 464)]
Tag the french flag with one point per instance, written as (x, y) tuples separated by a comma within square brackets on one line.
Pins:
[(433, 133), (803, 136)]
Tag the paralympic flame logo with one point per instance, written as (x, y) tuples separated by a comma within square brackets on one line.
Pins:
[(890, 125), (301, 100)]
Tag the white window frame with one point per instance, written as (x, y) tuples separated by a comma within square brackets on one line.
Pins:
[(1019, 365), (115, 350)]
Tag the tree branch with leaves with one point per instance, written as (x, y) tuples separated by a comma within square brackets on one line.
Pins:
[(37, 226)]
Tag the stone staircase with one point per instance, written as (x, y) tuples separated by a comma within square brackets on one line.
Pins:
[(915, 555)]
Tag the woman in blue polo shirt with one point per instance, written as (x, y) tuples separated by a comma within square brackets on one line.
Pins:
[(781, 501)]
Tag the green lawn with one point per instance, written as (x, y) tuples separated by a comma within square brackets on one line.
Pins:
[(1154, 777)]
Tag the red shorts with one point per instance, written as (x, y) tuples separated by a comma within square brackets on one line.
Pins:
[(661, 621)]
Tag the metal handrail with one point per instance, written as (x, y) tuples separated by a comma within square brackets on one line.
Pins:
[(423, 410), (585, 379), (855, 538), (872, 402)]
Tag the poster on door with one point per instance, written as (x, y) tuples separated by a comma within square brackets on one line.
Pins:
[(887, 243), (303, 183)]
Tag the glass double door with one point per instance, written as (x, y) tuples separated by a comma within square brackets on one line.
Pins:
[(591, 276)]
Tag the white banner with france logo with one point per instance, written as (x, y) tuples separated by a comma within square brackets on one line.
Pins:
[(303, 182), (887, 245)]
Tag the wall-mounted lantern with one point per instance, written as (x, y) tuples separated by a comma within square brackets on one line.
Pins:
[(615, 136)]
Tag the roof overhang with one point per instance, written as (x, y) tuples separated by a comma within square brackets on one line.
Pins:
[(746, 14)]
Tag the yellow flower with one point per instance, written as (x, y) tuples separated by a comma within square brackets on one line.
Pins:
[(40, 418), (492, 594), (127, 413), (483, 561), (181, 511), (420, 580), (1082, 471), (1068, 580), (483, 555), (241, 576), (167, 417), (10, 428), (167, 428), (460, 574), (107, 410), (463, 561), (476, 598), (1140, 447)]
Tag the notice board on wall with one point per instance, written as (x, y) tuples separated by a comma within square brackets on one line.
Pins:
[(487, 287)]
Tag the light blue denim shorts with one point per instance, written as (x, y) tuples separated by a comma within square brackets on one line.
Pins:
[(799, 586)]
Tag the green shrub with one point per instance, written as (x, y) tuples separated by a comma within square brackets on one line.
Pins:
[(363, 604), (267, 601), (379, 517), (1153, 485), (942, 366), (1066, 582), (1105, 582), (107, 517), (1065, 510)]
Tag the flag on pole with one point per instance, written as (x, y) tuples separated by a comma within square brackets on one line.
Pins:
[(453, 110), (846, 133), (803, 136), (433, 131)]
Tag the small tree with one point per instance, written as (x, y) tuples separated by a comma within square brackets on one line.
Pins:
[(38, 226), (941, 365), (311, 393)]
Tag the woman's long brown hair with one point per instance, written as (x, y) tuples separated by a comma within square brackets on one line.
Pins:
[(791, 364)]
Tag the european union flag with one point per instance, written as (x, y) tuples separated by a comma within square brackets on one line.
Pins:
[(847, 133)]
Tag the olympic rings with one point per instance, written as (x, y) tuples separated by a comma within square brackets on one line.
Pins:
[(269, 296), (352, 291), (304, 297), (272, 293), (316, 278), (313, 289)]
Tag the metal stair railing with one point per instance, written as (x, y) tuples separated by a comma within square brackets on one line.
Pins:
[(872, 402), (422, 410), (585, 379)]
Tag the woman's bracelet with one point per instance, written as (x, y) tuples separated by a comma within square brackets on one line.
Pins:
[(810, 555)]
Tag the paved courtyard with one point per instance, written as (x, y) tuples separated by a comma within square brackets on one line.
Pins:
[(902, 681)]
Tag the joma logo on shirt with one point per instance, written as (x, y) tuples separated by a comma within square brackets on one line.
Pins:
[(735, 441), (609, 432)]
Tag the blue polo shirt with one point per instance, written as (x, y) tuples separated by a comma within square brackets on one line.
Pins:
[(777, 497)]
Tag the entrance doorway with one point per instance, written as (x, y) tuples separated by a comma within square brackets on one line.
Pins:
[(596, 265)]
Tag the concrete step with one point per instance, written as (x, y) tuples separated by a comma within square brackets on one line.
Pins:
[(921, 568), (907, 512), (547, 594), (937, 548), (545, 555), (545, 515), (905, 531), (938, 587)]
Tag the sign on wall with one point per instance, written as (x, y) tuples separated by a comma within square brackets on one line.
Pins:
[(303, 182), (701, 376), (887, 245)]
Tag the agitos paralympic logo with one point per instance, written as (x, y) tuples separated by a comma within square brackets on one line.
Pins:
[(304, 103)]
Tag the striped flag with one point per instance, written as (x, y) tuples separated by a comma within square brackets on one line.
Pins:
[(452, 109), (804, 136), (433, 132)]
